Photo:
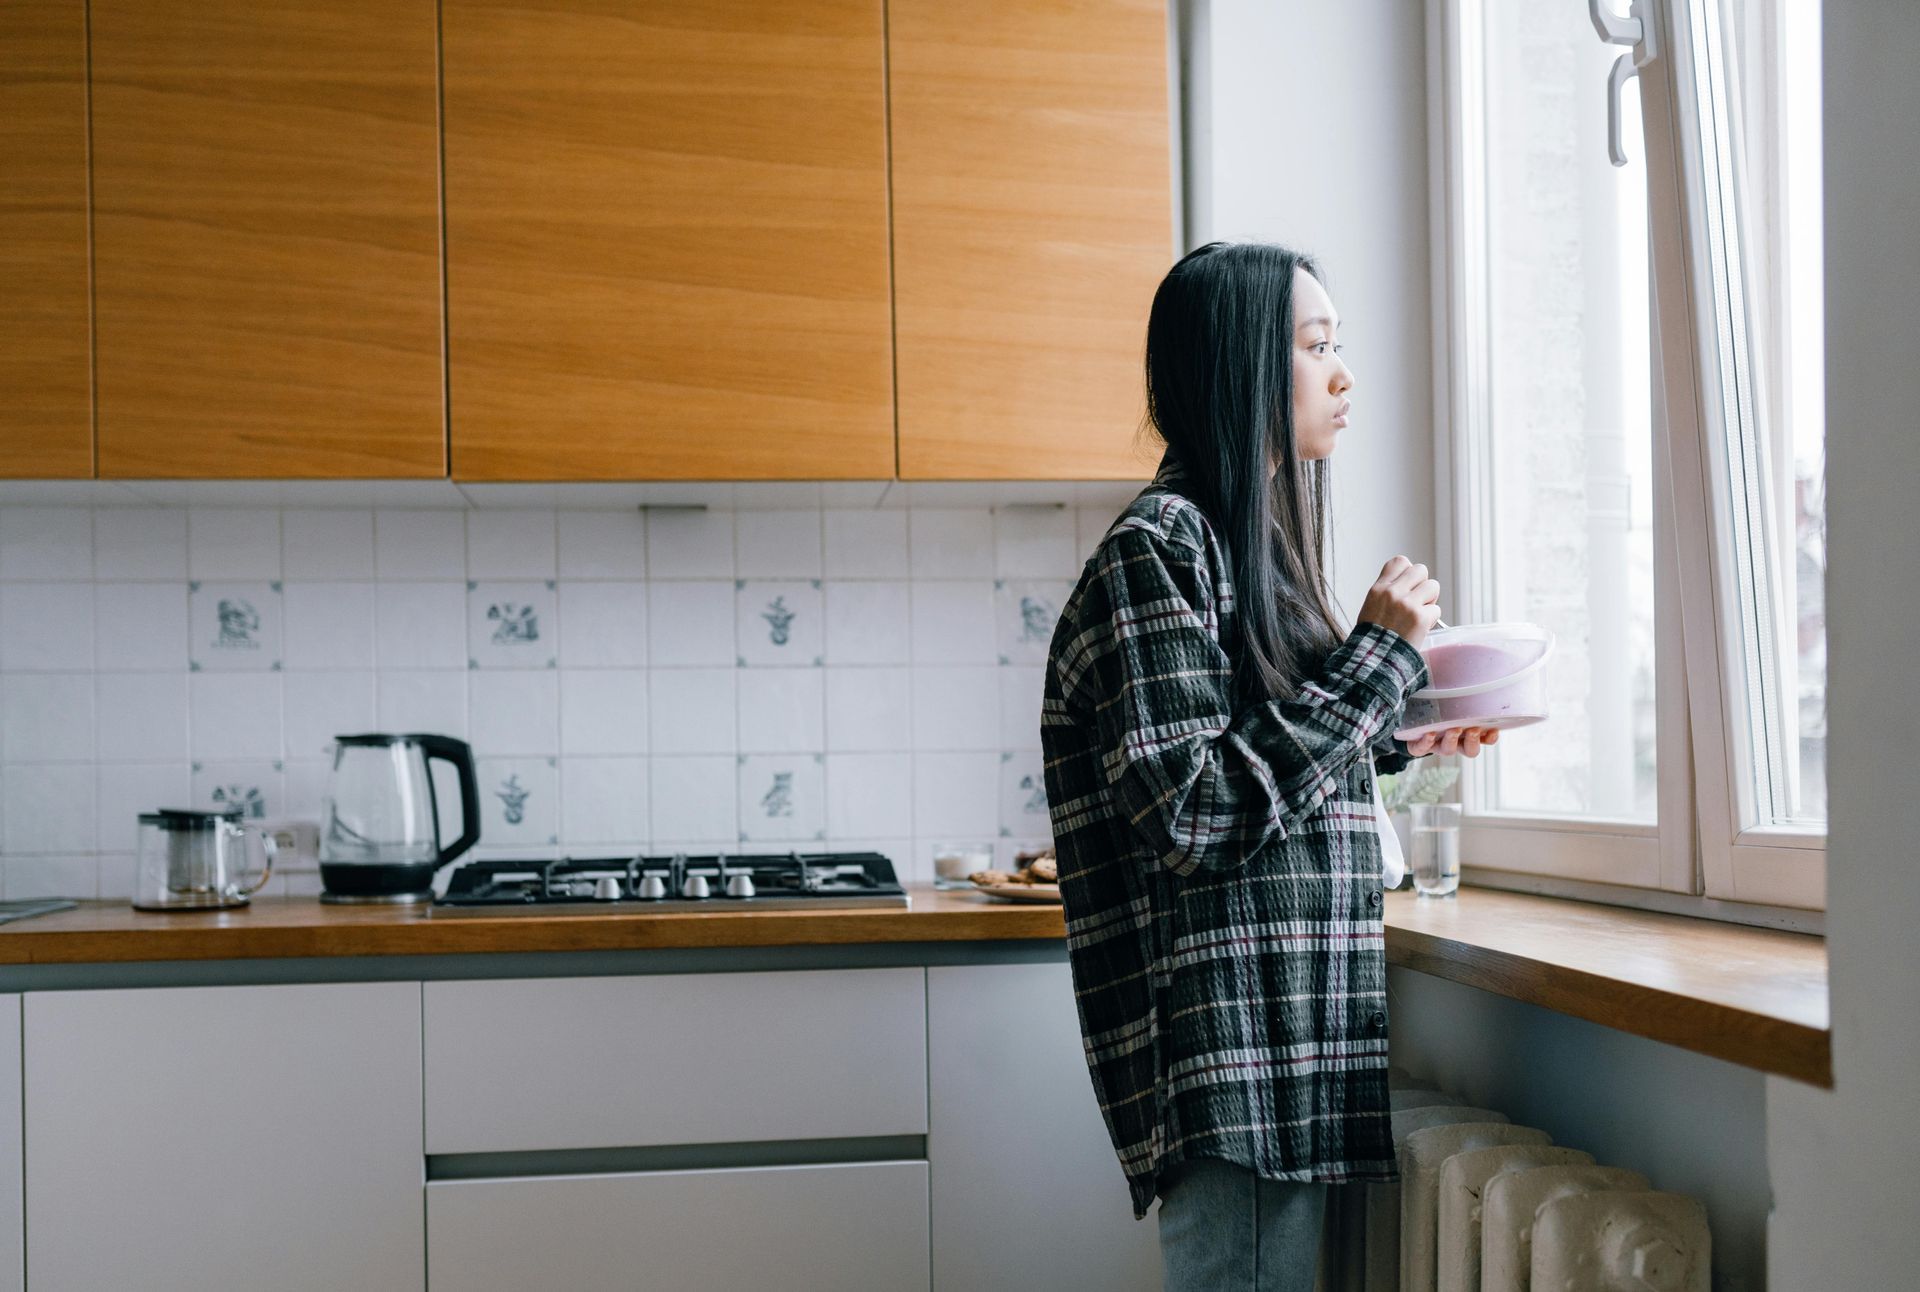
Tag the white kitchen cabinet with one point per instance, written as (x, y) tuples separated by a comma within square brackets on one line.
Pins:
[(566, 1063), (234, 1137), (13, 1216), (1026, 1190), (795, 1228)]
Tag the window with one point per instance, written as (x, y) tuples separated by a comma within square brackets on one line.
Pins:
[(1629, 352)]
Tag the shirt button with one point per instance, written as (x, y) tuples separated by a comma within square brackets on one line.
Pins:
[(1373, 898), (1377, 1020)]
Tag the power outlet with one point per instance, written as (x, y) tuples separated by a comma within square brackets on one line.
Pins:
[(297, 843)]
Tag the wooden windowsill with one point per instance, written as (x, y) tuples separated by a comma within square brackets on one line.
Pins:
[(1756, 997)]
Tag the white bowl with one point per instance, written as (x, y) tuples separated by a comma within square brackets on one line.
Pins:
[(1482, 675)]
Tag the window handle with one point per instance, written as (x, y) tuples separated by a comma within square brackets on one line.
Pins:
[(1636, 30)]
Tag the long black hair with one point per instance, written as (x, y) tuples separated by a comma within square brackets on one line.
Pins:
[(1220, 393)]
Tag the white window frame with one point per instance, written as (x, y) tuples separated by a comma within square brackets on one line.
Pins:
[(1695, 858)]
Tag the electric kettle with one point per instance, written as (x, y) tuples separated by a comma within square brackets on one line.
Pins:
[(380, 821), (194, 860)]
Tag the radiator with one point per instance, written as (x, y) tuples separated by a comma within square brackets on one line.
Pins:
[(1486, 1206)]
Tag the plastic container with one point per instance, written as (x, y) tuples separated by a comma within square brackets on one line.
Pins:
[(1482, 675)]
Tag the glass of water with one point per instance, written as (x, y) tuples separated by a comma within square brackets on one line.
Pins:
[(1436, 849)]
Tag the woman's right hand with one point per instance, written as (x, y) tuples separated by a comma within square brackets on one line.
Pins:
[(1404, 599)]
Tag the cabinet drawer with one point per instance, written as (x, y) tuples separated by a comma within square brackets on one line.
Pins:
[(558, 1063), (796, 1228)]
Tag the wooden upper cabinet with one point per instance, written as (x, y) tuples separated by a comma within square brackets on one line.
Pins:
[(267, 238), (667, 239), (46, 377), (1032, 220)]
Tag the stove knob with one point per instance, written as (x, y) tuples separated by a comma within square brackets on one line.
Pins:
[(606, 888), (652, 887), (695, 886), (739, 885)]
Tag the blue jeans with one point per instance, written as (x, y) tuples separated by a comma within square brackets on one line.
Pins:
[(1224, 1229)]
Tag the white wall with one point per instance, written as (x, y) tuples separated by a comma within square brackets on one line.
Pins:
[(1844, 1215), (1306, 125)]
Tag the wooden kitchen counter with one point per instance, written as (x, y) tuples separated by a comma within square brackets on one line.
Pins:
[(285, 927)]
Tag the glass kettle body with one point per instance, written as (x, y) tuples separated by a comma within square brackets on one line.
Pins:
[(380, 822), (189, 859)]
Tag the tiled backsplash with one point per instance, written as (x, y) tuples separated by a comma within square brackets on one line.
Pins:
[(756, 679)]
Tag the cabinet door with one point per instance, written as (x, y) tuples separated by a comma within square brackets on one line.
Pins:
[(267, 238), (1026, 1190), (794, 1228), (239, 1137), (1032, 220), (667, 239), (46, 381)]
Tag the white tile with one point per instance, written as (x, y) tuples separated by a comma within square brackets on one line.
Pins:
[(956, 708), (606, 625), (116, 876), (128, 789), (694, 797), (951, 495), (783, 798), (306, 781), (320, 706), (47, 807), (49, 717), (420, 544), (603, 545), (690, 624), (235, 626), (1090, 526), (782, 711), (423, 700), (139, 625), (857, 494), (868, 623), (519, 801), (692, 711), (1034, 542), (951, 544), (328, 625), (603, 711), (1021, 690), (399, 495), (866, 544), (31, 877), (1025, 614), (673, 494), (510, 544), (777, 495), (956, 794), (953, 623), (420, 625), (46, 543), (323, 543), (140, 543), (257, 789), (1023, 797), (869, 709), (690, 544), (48, 625), (514, 712), (232, 544), (140, 717), (869, 794), (604, 801), (777, 544), (513, 625), (779, 624), (235, 717)]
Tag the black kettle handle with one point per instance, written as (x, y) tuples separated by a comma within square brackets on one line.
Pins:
[(460, 754)]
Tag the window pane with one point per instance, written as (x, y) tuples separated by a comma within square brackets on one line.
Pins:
[(1567, 541), (1760, 111)]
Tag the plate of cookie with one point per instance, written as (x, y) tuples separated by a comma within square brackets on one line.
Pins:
[(1035, 879)]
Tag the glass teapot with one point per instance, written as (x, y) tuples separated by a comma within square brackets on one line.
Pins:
[(194, 860), (380, 822)]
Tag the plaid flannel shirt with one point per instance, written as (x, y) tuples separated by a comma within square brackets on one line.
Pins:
[(1220, 865)]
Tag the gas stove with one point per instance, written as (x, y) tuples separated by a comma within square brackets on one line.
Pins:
[(777, 881)]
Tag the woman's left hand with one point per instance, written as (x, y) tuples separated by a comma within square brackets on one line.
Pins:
[(1454, 740)]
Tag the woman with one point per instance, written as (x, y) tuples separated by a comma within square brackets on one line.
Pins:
[(1211, 736)]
